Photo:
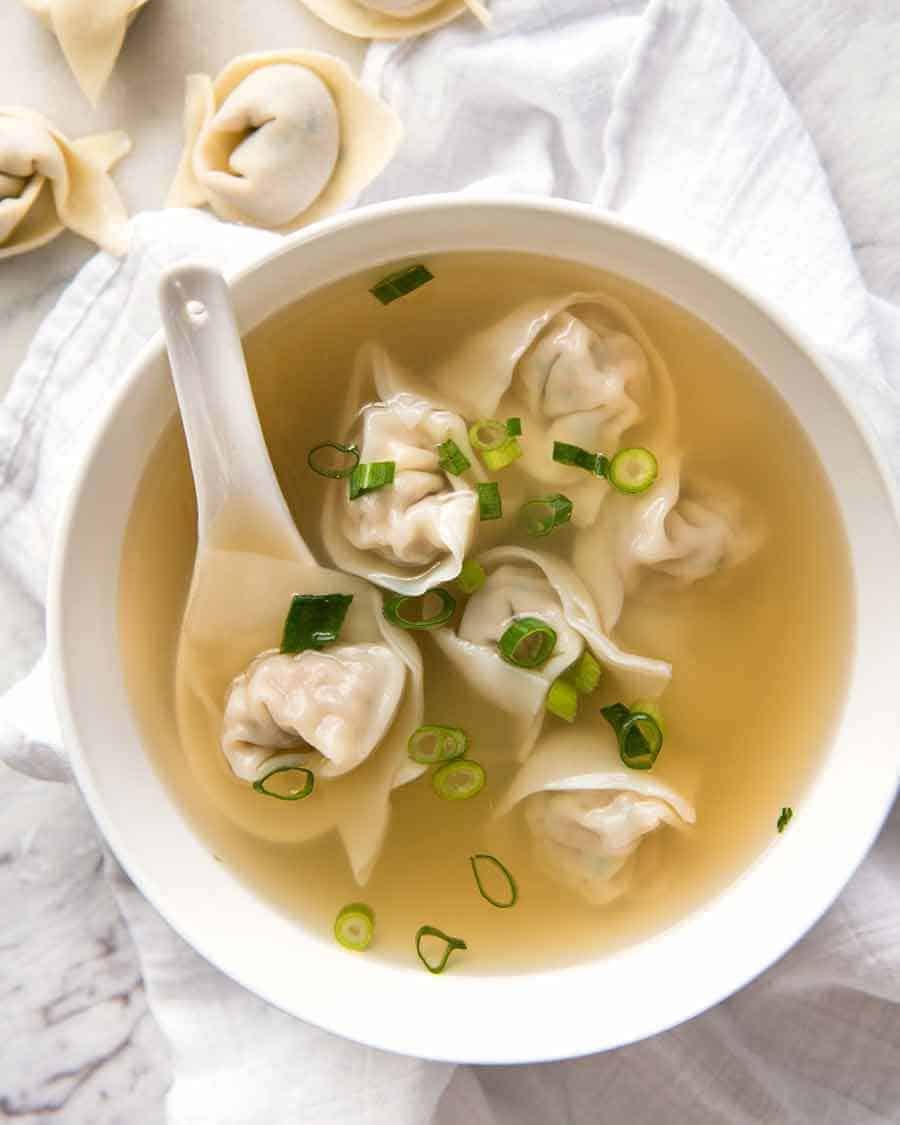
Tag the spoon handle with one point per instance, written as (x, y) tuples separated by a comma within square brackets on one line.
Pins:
[(228, 453)]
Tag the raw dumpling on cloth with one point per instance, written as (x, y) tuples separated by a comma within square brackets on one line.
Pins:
[(49, 183), (522, 583), (588, 814), (415, 533), (345, 712), (90, 34), (280, 139), (683, 529), (576, 368), (393, 19)]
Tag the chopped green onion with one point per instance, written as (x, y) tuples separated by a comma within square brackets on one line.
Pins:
[(371, 475), (293, 790), (651, 708), (354, 926), (540, 516), (451, 944), (562, 699), (471, 577), (452, 459), (400, 609), (459, 780), (400, 283), (314, 620), (492, 441), (490, 505), (431, 744), (527, 643), (320, 462), (640, 739), (633, 470), (586, 673), (567, 454), (514, 427), (485, 857), (785, 818)]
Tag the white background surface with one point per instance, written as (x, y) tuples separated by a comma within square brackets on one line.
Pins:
[(82, 1046)]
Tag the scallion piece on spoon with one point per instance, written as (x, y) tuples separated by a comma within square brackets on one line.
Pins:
[(568, 454), (400, 283), (432, 744), (562, 699), (639, 735), (490, 505), (329, 460), (459, 780), (512, 898), (540, 516), (295, 783), (472, 577), (633, 470), (314, 620), (527, 643), (371, 475), (450, 944), (420, 612), (354, 926), (492, 441), (452, 459)]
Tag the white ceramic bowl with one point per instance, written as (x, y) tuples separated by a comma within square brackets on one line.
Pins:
[(555, 1014)]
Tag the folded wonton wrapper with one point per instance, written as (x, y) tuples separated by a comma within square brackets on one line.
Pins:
[(280, 139), (49, 183), (415, 533), (239, 614), (90, 33), (588, 813), (522, 583), (393, 19)]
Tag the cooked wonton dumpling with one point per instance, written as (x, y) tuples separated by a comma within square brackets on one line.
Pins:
[(337, 703), (90, 33), (393, 19), (415, 533), (588, 814), (523, 583), (280, 139), (49, 183)]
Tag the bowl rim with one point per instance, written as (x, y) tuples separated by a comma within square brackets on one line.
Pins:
[(61, 558)]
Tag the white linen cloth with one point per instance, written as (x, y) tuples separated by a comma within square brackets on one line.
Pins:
[(666, 113)]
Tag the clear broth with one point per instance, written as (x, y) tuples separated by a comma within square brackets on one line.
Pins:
[(760, 654)]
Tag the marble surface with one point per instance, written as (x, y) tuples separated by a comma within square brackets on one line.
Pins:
[(79, 1043)]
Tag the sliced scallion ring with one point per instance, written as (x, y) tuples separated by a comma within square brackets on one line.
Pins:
[(400, 283), (472, 576), (371, 475), (633, 470), (494, 444), (562, 699), (514, 427), (452, 459), (294, 784), (450, 944), (640, 739), (540, 516), (651, 708), (512, 898), (314, 620), (527, 643), (432, 744), (330, 459), (401, 609), (459, 780), (354, 926), (567, 454), (490, 504), (585, 673)]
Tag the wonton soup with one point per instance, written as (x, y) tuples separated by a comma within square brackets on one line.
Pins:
[(587, 619)]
